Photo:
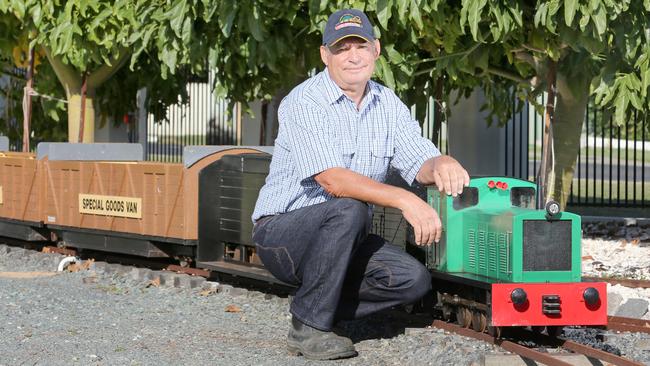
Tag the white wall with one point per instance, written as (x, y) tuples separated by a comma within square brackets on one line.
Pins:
[(110, 132), (479, 148)]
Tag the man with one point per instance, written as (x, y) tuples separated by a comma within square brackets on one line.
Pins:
[(339, 132)]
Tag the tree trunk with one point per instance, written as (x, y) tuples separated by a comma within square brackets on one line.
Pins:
[(71, 79), (74, 117), (571, 102)]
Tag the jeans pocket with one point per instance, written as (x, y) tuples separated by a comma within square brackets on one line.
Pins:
[(279, 263)]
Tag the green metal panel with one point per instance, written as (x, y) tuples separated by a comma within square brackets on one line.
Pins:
[(571, 275), (483, 234)]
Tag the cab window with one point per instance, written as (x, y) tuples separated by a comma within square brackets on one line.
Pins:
[(468, 198), (523, 197)]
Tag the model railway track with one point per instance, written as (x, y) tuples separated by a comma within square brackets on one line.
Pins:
[(164, 265), (622, 324), (134, 261), (615, 323), (538, 356), (627, 282)]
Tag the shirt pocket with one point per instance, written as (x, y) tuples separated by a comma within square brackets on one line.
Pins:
[(381, 154), (347, 149)]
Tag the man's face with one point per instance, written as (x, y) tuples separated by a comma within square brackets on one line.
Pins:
[(351, 61)]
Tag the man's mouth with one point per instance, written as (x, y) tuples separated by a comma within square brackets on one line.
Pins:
[(355, 69)]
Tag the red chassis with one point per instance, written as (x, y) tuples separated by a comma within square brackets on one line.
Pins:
[(549, 304)]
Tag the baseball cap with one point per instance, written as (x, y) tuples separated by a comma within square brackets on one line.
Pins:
[(347, 23)]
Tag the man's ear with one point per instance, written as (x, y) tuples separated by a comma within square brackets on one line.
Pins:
[(324, 53), (377, 49)]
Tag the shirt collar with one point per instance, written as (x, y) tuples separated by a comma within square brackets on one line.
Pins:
[(334, 93)]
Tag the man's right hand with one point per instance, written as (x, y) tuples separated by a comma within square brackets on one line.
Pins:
[(424, 219), (341, 182)]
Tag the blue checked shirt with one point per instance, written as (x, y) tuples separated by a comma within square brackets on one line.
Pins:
[(321, 128)]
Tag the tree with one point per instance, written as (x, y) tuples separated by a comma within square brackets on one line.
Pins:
[(14, 57), (574, 48), (87, 42), (256, 47)]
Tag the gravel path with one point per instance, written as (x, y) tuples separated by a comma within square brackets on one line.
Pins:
[(95, 317), (116, 316)]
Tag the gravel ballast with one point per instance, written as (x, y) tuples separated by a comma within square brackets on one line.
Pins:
[(118, 315), (115, 317)]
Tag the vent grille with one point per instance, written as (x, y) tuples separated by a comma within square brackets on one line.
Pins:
[(547, 245), (492, 251), (471, 249), (504, 253), (481, 250)]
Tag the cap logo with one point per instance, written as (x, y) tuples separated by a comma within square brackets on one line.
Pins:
[(348, 20)]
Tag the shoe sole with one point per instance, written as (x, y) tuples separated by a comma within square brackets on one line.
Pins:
[(294, 349)]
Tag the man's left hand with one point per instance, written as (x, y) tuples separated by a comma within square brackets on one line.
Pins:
[(446, 173)]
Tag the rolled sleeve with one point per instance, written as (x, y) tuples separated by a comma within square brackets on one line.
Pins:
[(312, 147), (411, 149)]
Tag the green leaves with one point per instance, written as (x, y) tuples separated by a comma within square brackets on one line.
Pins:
[(227, 15), (470, 13), (255, 23), (384, 12), (570, 7), (317, 6), (415, 14), (385, 73), (259, 47), (176, 16)]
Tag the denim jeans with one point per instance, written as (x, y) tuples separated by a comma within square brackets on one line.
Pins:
[(340, 270)]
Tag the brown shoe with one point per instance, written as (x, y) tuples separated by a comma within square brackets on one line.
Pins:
[(316, 344)]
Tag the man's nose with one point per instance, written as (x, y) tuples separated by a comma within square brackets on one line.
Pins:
[(355, 55)]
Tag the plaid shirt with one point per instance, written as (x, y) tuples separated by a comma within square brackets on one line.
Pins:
[(321, 128)]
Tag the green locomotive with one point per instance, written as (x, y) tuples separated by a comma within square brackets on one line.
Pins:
[(502, 262)]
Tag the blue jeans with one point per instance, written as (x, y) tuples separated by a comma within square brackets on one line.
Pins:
[(340, 270)]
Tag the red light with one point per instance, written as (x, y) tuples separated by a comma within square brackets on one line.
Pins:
[(491, 184), (504, 186), (500, 185)]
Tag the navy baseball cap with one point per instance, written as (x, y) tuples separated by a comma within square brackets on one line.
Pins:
[(347, 23)]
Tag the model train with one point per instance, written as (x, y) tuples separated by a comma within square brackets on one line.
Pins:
[(500, 263)]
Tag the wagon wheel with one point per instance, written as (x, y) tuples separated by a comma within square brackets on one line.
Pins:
[(446, 312), (495, 331), (479, 321), (463, 316)]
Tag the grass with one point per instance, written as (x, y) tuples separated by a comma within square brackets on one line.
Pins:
[(598, 153), (602, 191)]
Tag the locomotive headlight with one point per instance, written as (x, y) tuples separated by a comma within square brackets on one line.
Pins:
[(552, 208), (518, 296), (591, 296)]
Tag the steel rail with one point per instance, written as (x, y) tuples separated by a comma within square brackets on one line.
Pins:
[(532, 354), (134, 261), (62, 251), (622, 324), (599, 354), (544, 358), (627, 282), (525, 352), (633, 321), (188, 270)]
